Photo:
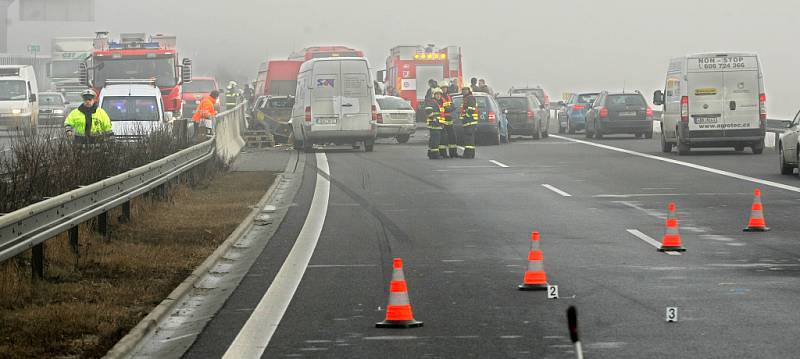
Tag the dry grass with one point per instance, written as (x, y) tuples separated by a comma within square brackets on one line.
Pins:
[(88, 302)]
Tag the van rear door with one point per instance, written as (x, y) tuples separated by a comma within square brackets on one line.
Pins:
[(356, 100), (705, 92), (740, 110), (325, 96)]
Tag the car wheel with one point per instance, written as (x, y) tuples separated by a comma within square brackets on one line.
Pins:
[(369, 145), (666, 147), (587, 133), (638, 135), (403, 138), (683, 148), (496, 141), (570, 129), (758, 148), (598, 133), (786, 169)]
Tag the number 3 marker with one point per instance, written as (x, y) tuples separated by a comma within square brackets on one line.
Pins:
[(672, 314)]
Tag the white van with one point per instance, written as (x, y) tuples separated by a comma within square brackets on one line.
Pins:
[(335, 102), (19, 105), (713, 100), (135, 109)]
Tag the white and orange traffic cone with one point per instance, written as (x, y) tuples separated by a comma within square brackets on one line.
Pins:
[(535, 276), (398, 312), (757, 222), (671, 242)]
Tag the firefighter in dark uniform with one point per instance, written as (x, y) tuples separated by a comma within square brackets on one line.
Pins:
[(449, 145), (433, 112), (469, 117)]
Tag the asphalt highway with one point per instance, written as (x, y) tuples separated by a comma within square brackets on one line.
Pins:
[(462, 228)]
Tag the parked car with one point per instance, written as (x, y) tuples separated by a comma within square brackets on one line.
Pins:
[(573, 118), (526, 115), (135, 110), (713, 100), (194, 91), (492, 123), (788, 147), (52, 108), (273, 112), (619, 112), (540, 94), (395, 118), (335, 103)]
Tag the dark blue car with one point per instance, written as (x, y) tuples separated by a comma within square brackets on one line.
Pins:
[(573, 118)]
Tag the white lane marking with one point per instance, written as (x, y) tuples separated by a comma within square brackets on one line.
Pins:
[(254, 337), (687, 164), (179, 338), (556, 190), (499, 163), (650, 241), (341, 265), (667, 195)]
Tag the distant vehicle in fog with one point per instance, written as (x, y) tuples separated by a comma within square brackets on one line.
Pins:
[(52, 108), (396, 118), (335, 103), (526, 115), (713, 100), (573, 117), (492, 125), (540, 94), (19, 102), (619, 113)]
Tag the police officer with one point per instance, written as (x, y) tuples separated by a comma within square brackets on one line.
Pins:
[(449, 145), (433, 113), (469, 117), (232, 95), (88, 123)]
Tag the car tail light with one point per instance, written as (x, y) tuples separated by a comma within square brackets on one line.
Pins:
[(603, 112), (308, 113), (546, 99), (491, 117), (762, 106), (649, 112), (578, 107), (685, 109), (376, 116), (531, 115)]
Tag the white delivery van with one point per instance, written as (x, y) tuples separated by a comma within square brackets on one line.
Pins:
[(134, 107), (713, 100), (19, 105), (334, 103)]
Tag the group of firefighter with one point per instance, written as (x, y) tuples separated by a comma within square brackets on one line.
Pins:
[(439, 111)]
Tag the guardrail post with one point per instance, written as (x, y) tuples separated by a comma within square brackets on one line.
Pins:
[(37, 261), (102, 224), (73, 240), (126, 213)]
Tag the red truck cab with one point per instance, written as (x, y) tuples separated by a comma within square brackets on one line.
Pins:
[(195, 91)]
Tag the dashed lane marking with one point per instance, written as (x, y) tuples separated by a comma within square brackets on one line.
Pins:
[(687, 164), (647, 239), (500, 164), (556, 190)]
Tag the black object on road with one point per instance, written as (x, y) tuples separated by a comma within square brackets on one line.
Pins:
[(572, 323)]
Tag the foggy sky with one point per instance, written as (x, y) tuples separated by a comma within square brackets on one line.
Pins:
[(562, 45)]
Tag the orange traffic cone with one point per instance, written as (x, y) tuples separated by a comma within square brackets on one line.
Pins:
[(672, 237), (535, 276), (757, 223), (398, 312)]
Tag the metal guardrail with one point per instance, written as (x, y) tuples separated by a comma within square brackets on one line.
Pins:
[(30, 226)]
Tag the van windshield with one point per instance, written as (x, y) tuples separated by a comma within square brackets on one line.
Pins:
[(137, 108), (13, 90)]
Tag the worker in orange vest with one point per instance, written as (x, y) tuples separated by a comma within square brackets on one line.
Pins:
[(205, 111)]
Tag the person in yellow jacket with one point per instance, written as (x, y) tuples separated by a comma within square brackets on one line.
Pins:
[(88, 123)]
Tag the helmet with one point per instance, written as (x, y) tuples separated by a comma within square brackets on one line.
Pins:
[(436, 90), (232, 84), (444, 83), (87, 94)]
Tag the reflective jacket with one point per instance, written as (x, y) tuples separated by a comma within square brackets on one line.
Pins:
[(205, 110), (446, 110), (101, 123), (433, 110), (469, 110), (232, 99)]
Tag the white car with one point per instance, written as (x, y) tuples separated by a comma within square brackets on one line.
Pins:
[(713, 100), (395, 118), (788, 144), (135, 109)]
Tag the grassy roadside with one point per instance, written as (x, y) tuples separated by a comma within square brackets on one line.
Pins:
[(88, 302)]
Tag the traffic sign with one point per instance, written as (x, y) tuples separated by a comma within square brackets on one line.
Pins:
[(34, 48)]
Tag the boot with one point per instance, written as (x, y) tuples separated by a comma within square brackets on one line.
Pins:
[(443, 153), (454, 153)]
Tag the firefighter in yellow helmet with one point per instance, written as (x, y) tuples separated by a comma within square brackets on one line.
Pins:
[(433, 107), (449, 145), (469, 117)]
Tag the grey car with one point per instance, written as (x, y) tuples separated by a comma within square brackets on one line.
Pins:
[(52, 108), (526, 115), (788, 144)]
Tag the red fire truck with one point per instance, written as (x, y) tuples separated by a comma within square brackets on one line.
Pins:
[(137, 56), (408, 69), (279, 77)]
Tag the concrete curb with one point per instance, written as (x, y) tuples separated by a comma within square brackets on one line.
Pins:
[(131, 341)]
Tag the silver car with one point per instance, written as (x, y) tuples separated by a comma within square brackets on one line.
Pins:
[(788, 144), (52, 108), (396, 118)]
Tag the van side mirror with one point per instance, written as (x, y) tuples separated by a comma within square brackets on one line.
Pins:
[(380, 76), (658, 98), (186, 71), (32, 98), (84, 74)]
